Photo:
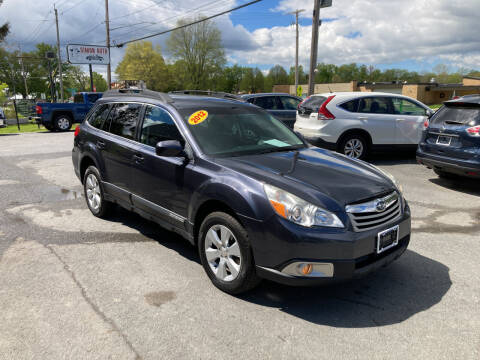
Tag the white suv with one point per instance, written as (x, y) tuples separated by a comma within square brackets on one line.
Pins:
[(354, 123)]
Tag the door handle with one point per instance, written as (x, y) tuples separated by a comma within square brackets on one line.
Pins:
[(101, 144), (138, 158), (400, 119)]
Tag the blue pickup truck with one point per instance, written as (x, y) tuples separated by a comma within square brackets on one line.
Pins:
[(61, 116)]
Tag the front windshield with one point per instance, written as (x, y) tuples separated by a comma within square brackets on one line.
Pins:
[(238, 130)]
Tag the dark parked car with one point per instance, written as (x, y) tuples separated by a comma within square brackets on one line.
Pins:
[(256, 200), (61, 116), (450, 144), (282, 106)]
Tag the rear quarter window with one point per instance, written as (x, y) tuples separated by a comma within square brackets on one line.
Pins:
[(313, 102), (351, 105)]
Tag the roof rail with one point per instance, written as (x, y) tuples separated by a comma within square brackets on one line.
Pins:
[(142, 92), (218, 94)]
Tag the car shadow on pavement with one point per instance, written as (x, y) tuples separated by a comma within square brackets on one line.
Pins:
[(390, 158), (464, 185), (412, 284)]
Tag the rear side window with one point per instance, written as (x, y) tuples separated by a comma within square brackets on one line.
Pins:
[(457, 115), (268, 103), (313, 102), (351, 105), (124, 120), (99, 116), (289, 103), (158, 126), (375, 105), (78, 98)]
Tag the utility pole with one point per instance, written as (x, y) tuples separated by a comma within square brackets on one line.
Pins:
[(23, 71), (59, 56), (314, 47), (298, 11), (107, 25)]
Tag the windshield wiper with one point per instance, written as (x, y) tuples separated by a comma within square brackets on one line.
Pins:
[(282, 149)]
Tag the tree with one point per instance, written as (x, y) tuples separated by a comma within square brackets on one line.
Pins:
[(4, 29), (199, 47), (144, 62), (99, 82)]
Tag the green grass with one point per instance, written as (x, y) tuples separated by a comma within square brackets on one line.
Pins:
[(12, 129), (435, 106)]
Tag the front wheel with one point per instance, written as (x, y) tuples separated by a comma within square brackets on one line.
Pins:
[(226, 254), (354, 146)]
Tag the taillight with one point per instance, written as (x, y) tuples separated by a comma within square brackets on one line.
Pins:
[(425, 124), (77, 131), (38, 109), (323, 113), (474, 131)]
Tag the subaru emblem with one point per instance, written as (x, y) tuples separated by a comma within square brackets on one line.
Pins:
[(380, 205)]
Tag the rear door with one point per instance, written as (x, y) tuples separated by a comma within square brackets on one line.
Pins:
[(120, 147), (375, 114), (448, 132), (272, 104), (409, 121)]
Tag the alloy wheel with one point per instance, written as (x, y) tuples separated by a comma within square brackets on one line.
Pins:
[(353, 148), (94, 196), (223, 253), (63, 123)]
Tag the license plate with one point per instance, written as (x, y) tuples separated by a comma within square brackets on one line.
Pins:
[(387, 239), (444, 140)]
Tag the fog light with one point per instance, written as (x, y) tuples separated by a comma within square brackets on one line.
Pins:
[(306, 269)]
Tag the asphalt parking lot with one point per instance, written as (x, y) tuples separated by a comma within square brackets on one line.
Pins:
[(74, 286)]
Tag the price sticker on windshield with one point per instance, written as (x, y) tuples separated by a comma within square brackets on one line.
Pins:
[(198, 117)]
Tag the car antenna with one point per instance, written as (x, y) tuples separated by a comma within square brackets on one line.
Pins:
[(329, 89)]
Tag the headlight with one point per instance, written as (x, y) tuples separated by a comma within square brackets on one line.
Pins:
[(299, 211)]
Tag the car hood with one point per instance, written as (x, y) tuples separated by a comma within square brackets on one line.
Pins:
[(311, 170)]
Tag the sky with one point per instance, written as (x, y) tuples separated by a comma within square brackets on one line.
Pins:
[(409, 34)]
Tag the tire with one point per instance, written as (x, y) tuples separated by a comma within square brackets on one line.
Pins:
[(230, 264), (94, 195), (445, 175), (62, 123), (354, 146)]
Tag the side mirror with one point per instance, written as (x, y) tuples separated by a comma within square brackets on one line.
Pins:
[(169, 148)]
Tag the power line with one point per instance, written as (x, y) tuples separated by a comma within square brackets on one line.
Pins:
[(189, 24)]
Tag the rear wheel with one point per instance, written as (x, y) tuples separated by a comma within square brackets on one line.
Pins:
[(62, 122), (354, 146), (94, 193), (226, 254)]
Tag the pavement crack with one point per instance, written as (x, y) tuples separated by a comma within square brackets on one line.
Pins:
[(92, 304)]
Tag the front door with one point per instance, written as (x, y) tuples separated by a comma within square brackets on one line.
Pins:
[(159, 185), (409, 119)]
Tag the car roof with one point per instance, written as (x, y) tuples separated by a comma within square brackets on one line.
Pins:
[(467, 99), (247, 96), (358, 94)]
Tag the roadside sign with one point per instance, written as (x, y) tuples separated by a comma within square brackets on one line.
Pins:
[(88, 54), (325, 3), (299, 91)]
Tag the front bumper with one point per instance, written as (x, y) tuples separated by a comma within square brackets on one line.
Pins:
[(279, 243), (470, 168)]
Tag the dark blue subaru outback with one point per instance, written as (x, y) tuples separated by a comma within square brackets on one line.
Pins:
[(256, 200)]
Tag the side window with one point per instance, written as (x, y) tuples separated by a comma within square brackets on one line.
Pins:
[(351, 105), (124, 120), (78, 99), (267, 103), (98, 116), (375, 105), (158, 126), (406, 107), (289, 103), (92, 98), (250, 100)]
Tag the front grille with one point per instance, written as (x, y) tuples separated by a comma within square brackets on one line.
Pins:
[(375, 213)]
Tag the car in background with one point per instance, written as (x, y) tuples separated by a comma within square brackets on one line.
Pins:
[(61, 116), (450, 144), (282, 106), (355, 123)]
